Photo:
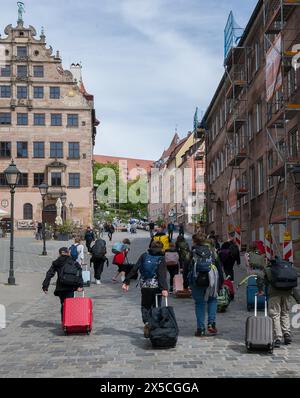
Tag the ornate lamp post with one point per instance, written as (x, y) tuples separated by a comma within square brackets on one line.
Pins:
[(63, 199), (12, 175), (71, 207), (44, 191)]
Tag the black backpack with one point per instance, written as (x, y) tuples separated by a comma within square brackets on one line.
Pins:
[(284, 275), (70, 274), (99, 249), (203, 258)]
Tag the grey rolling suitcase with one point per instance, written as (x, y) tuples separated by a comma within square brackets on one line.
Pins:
[(259, 331)]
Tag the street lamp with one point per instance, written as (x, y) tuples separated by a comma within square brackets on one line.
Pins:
[(71, 207), (63, 199), (44, 191), (295, 171), (12, 175)]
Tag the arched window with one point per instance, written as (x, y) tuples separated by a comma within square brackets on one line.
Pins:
[(27, 211)]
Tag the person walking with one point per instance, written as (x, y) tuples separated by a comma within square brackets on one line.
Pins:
[(171, 228), (151, 229), (213, 237), (184, 252), (153, 271), (121, 261), (160, 236), (89, 237), (172, 263), (39, 233), (280, 293), (77, 251), (111, 231), (98, 259), (229, 255), (181, 229), (69, 277), (206, 280)]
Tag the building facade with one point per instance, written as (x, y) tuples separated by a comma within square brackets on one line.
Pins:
[(48, 126), (253, 131)]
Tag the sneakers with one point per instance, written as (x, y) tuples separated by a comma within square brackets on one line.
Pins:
[(287, 339), (147, 331), (277, 343), (114, 280), (98, 282), (200, 333), (211, 329)]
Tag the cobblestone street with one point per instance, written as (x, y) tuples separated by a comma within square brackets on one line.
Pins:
[(33, 344)]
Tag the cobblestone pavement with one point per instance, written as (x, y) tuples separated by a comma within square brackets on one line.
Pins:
[(33, 344)]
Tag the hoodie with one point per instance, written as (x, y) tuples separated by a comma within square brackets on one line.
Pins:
[(56, 267)]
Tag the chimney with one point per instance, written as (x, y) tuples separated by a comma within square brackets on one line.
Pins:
[(76, 72)]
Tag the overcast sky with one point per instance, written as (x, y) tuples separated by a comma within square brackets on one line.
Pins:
[(149, 63)]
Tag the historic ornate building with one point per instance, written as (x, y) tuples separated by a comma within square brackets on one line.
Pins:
[(48, 126)]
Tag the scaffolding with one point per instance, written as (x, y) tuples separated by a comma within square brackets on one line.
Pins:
[(237, 129), (282, 45)]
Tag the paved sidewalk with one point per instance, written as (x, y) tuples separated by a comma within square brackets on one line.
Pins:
[(33, 345)]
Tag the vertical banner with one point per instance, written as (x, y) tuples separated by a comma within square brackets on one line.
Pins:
[(273, 68)]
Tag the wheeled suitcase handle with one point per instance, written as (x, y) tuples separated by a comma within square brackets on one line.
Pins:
[(156, 300), (255, 306), (76, 292)]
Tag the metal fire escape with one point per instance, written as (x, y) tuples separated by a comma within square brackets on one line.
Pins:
[(282, 45)]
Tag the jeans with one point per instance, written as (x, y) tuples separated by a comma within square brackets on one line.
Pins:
[(198, 294)]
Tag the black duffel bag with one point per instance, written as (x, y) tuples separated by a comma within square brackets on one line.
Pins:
[(284, 275), (163, 327)]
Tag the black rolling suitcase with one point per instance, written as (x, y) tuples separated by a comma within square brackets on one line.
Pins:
[(259, 331), (163, 327)]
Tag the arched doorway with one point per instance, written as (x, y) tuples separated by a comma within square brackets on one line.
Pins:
[(49, 214)]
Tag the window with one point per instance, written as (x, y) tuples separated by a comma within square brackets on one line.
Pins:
[(258, 117), (27, 211), (5, 118), (38, 92), (5, 91), (250, 126), (244, 186), (54, 92), (260, 169), (38, 71), (5, 149), (5, 71), (270, 167), (39, 119), (21, 71), (22, 51), (38, 179), (56, 119), (257, 56), (72, 120), (23, 181), (252, 182), (22, 149), (56, 179), (22, 92), (39, 150), (3, 182), (74, 180), (74, 150), (294, 143), (22, 119), (56, 150)]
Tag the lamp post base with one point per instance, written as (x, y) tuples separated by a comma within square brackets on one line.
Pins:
[(11, 281), (44, 253)]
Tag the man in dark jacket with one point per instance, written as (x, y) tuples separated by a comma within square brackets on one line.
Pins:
[(151, 283), (62, 291), (229, 255), (89, 237)]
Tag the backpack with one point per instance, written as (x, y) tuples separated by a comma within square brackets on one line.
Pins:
[(172, 259), (225, 255), (202, 261), (118, 248), (283, 275), (99, 249), (74, 251), (119, 259), (70, 274), (149, 267), (184, 252), (164, 239)]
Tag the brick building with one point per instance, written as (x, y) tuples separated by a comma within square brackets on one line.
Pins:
[(48, 126), (253, 129)]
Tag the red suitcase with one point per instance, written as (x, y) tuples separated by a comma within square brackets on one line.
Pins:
[(77, 315), (178, 288)]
